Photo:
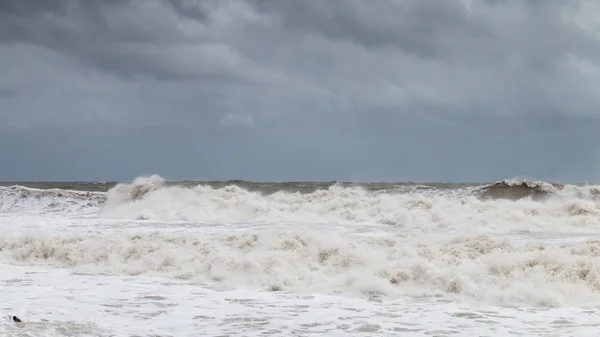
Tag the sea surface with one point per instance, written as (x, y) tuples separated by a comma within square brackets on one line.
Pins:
[(236, 258)]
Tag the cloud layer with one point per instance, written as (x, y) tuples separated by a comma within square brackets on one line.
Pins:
[(327, 80)]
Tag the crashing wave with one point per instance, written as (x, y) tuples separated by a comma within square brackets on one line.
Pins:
[(503, 206), (514, 190), (24, 199)]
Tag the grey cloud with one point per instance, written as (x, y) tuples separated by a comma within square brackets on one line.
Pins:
[(456, 56), (388, 79), (240, 119), (235, 42), (413, 26), (190, 8), (6, 93), (122, 37)]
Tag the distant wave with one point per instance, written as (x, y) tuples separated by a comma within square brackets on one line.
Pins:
[(29, 200), (514, 190), (483, 268), (505, 205)]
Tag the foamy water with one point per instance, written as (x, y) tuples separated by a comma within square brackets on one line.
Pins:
[(150, 259)]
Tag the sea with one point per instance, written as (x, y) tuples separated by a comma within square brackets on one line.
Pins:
[(152, 257)]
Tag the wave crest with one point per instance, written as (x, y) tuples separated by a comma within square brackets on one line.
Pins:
[(514, 190), (501, 207), (138, 189), (481, 209)]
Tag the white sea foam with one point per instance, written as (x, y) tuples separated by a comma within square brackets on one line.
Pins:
[(55, 303), (482, 268), (573, 208), (23, 200), (407, 247)]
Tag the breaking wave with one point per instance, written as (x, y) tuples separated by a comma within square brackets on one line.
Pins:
[(19, 199), (514, 190), (479, 262), (483, 208), (483, 268), (480, 208)]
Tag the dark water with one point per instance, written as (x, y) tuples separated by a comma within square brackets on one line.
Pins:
[(503, 189), (265, 187)]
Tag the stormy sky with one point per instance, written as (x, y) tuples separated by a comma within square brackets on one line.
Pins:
[(360, 90)]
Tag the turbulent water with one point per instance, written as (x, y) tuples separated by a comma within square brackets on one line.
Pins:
[(235, 258)]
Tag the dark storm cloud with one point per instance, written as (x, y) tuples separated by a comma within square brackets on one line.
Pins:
[(322, 79), (104, 34), (447, 46), (413, 26), (190, 9)]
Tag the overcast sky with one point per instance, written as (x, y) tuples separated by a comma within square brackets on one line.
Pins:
[(400, 90)]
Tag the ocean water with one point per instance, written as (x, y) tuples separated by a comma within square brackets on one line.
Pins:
[(153, 258)]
